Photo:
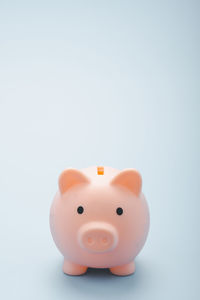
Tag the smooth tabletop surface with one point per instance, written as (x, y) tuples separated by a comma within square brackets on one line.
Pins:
[(112, 83)]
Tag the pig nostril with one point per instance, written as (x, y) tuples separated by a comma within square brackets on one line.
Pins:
[(90, 240), (104, 240)]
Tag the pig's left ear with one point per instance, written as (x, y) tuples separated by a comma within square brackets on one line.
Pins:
[(129, 179), (69, 178)]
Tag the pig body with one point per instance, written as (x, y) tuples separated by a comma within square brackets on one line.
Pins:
[(99, 219)]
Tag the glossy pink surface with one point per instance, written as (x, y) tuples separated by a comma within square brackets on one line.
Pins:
[(97, 236)]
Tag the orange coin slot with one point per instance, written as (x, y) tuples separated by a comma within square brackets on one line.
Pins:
[(100, 170)]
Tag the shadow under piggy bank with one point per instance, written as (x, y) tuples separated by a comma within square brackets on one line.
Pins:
[(101, 284)]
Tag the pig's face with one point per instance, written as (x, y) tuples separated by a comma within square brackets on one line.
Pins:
[(99, 223)]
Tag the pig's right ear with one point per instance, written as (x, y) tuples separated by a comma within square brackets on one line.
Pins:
[(69, 178), (130, 179)]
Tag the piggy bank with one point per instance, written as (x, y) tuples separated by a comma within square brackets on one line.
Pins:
[(99, 219)]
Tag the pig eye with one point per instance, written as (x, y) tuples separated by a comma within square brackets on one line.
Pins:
[(80, 210), (119, 211)]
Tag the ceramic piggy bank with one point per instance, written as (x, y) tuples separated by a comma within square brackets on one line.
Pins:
[(99, 219)]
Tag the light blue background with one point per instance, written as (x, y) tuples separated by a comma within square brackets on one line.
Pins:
[(99, 83)]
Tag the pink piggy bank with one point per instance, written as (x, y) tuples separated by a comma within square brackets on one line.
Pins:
[(99, 219)]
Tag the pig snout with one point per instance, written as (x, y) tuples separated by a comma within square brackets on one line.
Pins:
[(98, 237)]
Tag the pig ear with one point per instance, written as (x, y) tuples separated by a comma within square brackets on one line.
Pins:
[(129, 179), (69, 178)]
